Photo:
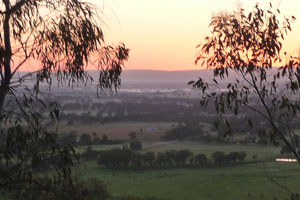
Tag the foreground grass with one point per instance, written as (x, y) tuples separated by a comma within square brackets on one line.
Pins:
[(247, 181)]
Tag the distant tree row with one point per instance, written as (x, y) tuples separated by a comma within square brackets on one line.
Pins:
[(133, 108), (220, 158), (126, 158), (86, 139), (183, 131), (134, 144)]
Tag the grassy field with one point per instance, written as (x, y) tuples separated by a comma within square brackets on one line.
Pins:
[(262, 153), (120, 130), (250, 180)]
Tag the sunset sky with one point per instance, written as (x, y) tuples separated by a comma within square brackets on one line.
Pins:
[(163, 34)]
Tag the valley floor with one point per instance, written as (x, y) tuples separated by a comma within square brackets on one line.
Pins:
[(259, 178)]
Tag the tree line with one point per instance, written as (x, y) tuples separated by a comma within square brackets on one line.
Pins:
[(126, 158), (86, 139)]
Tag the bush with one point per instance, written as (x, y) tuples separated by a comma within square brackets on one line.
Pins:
[(219, 158), (85, 139), (89, 154), (285, 150), (123, 158), (135, 145), (115, 158), (242, 156), (183, 132), (201, 160)]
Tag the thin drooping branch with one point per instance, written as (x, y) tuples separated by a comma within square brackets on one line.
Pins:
[(62, 41), (249, 45), (275, 181), (271, 120)]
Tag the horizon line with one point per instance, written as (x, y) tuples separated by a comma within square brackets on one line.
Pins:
[(161, 70)]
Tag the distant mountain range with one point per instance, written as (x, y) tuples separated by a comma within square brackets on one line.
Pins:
[(162, 79), (152, 78), (135, 76)]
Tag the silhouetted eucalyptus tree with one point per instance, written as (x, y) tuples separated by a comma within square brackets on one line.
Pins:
[(248, 46), (60, 37)]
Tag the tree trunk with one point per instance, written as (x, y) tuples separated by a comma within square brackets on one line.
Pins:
[(5, 82), (2, 97)]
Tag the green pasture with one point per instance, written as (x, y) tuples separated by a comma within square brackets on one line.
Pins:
[(247, 181), (262, 152), (253, 179), (81, 149)]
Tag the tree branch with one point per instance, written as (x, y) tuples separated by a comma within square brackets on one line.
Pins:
[(271, 120)]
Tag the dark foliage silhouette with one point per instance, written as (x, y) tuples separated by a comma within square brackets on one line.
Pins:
[(247, 46), (63, 38)]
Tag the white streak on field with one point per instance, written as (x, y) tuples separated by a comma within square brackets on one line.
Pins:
[(159, 144)]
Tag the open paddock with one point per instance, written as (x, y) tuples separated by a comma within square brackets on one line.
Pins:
[(247, 181), (145, 131)]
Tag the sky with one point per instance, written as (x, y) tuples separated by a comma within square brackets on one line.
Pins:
[(163, 34)]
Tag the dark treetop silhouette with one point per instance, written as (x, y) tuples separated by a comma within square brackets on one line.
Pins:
[(248, 46), (61, 36)]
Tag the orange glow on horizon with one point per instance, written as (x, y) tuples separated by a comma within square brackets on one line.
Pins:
[(163, 35)]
